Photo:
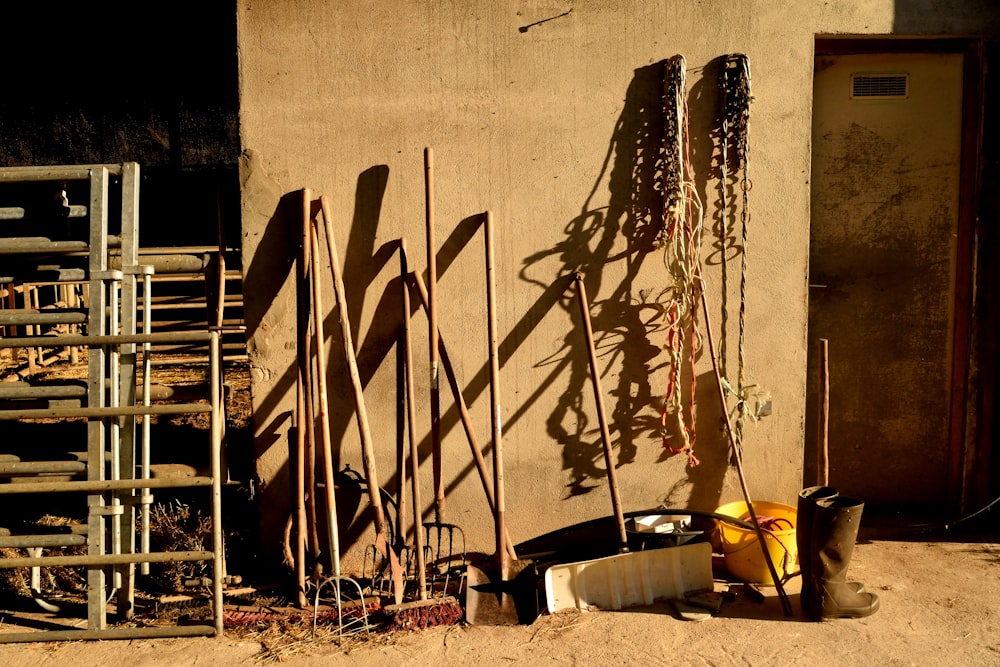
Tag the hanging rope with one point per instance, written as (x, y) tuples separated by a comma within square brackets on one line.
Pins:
[(680, 238)]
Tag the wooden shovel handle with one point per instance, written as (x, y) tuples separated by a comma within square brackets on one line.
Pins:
[(418, 533), (367, 446), (595, 380), (495, 419)]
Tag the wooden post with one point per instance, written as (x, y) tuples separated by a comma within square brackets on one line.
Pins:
[(823, 453)]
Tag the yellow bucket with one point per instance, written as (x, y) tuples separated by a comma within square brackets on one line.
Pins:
[(741, 550)]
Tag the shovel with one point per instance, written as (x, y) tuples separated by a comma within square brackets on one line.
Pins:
[(489, 598), (628, 578)]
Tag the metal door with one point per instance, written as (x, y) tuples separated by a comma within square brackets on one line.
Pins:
[(887, 144)]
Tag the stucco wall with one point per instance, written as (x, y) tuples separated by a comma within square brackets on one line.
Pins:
[(552, 128)]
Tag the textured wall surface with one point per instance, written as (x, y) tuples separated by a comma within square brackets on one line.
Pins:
[(555, 126)]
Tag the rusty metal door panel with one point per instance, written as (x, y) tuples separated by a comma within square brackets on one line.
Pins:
[(887, 138)]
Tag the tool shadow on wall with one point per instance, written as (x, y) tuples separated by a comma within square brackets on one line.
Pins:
[(628, 320)]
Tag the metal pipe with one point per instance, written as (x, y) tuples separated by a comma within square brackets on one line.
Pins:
[(37, 244), (114, 402), (46, 541), (77, 172), (101, 340), (108, 633), (99, 485), (19, 390), (18, 468), (145, 497), (107, 559), (50, 316), (24, 390), (100, 413), (218, 562), (96, 360)]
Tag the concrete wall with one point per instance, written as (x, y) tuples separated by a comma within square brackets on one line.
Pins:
[(553, 126)]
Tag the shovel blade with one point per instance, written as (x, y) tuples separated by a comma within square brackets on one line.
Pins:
[(488, 600), (630, 579)]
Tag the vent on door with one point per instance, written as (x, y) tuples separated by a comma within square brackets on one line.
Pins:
[(880, 85)]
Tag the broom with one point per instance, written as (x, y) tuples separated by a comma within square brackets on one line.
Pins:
[(424, 612)]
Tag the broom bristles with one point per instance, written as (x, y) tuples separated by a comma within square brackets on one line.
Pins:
[(424, 614)]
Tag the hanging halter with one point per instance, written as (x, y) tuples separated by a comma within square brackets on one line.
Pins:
[(680, 239)]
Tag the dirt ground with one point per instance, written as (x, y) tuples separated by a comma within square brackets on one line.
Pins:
[(940, 604)]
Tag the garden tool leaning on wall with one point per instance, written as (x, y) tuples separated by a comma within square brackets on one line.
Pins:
[(490, 586), (628, 578)]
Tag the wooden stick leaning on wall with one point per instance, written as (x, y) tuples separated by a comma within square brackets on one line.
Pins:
[(785, 604), (301, 422), (382, 534), (329, 495), (432, 331), (463, 412), (602, 419), (823, 458)]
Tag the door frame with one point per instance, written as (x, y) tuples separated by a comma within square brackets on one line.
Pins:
[(971, 391)]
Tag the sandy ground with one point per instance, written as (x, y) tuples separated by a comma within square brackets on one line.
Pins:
[(940, 604)]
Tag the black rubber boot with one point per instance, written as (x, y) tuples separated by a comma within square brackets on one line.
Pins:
[(835, 530), (804, 518), (809, 597)]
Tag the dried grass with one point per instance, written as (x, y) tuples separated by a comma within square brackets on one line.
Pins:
[(54, 579), (291, 636), (175, 526)]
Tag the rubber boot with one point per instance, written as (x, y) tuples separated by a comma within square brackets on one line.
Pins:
[(834, 532), (804, 518)]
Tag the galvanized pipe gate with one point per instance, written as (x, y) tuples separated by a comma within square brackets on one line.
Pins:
[(114, 474)]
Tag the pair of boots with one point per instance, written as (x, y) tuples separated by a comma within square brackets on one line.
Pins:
[(826, 530)]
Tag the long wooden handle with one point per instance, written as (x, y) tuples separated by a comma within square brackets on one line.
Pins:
[(367, 446), (411, 420), (323, 412), (595, 379), (463, 414), (782, 596), (432, 331), (495, 418), (301, 424), (823, 457)]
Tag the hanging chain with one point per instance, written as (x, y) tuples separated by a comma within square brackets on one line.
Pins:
[(672, 175), (724, 219), (736, 131)]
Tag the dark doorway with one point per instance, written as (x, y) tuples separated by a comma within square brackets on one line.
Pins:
[(113, 82)]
